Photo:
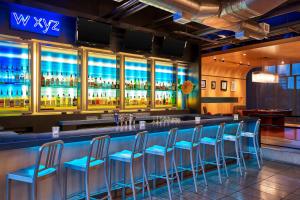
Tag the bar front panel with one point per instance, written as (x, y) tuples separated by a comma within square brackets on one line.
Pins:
[(59, 75), (165, 84), (137, 83), (182, 76), (103, 81), (15, 77)]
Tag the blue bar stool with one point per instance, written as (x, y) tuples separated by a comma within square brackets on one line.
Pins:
[(130, 157), (96, 157), (47, 164), (217, 143), (236, 139), (165, 152), (257, 150), (191, 146)]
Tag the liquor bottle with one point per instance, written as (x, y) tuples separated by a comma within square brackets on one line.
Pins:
[(74, 101), (48, 79), (43, 103), (53, 101), (104, 85), (61, 79), (52, 79), (71, 81), (63, 100), (173, 86), (57, 101), (1, 99), (90, 99), (69, 101), (113, 85), (138, 84), (173, 99), (89, 81), (57, 79), (48, 101), (97, 99), (93, 99), (100, 82), (164, 100), (43, 80), (146, 85), (127, 99)]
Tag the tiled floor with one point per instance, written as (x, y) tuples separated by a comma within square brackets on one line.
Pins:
[(274, 181)]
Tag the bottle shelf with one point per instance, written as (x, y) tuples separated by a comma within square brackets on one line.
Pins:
[(59, 87)]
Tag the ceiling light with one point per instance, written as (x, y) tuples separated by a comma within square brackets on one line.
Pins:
[(264, 77), (118, 0), (244, 54), (222, 60), (282, 62), (215, 58)]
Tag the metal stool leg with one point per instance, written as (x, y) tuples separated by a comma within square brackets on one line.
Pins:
[(238, 159), (218, 163), (132, 180), (167, 177), (256, 153), (177, 175), (259, 149), (124, 180), (193, 170), (223, 158), (107, 181), (181, 163), (87, 189), (33, 191), (8, 185), (146, 177), (202, 168), (241, 152)]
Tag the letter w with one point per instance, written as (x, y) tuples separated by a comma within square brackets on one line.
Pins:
[(21, 18)]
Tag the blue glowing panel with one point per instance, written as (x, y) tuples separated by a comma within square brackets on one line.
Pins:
[(298, 82), (35, 20), (296, 69), (284, 70), (291, 83), (271, 69)]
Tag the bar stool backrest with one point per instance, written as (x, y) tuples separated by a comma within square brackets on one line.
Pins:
[(171, 139), (220, 132), (239, 128), (49, 156), (140, 143), (197, 134), (98, 150), (257, 125)]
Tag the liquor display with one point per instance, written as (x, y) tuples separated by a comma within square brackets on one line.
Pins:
[(103, 81), (15, 79), (165, 84), (137, 83), (182, 75), (59, 78)]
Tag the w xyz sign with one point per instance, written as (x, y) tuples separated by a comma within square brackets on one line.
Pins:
[(42, 22)]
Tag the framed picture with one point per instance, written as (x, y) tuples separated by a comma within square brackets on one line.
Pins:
[(233, 87), (224, 85), (203, 84), (213, 85)]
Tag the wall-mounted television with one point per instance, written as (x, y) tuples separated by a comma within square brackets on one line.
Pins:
[(92, 32), (173, 47), (138, 41)]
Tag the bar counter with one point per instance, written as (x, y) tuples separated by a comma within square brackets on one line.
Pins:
[(19, 151)]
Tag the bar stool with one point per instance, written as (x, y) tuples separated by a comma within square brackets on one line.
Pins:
[(237, 143), (129, 157), (257, 150), (96, 157), (165, 152), (191, 146), (47, 165), (217, 143)]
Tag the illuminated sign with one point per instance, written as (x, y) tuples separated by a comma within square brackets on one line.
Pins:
[(35, 20)]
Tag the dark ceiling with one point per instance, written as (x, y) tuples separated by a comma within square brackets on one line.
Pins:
[(131, 14)]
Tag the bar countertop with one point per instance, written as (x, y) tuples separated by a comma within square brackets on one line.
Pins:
[(11, 140)]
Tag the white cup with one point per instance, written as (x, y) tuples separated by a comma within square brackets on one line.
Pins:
[(55, 131), (197, 120), (142, 124), (236, 116)]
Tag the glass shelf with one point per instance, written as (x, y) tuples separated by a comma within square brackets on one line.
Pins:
[(103, 81), (165, 84), (15, 82), (59, 78), (137, 83)]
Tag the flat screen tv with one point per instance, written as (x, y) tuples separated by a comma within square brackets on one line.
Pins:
[(93, 33), (173, 47), (138, 41)]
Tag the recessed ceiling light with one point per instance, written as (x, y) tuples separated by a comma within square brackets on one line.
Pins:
[(244, 54), (282, 62)]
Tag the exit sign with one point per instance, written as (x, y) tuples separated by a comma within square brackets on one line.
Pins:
[(35, 20)]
